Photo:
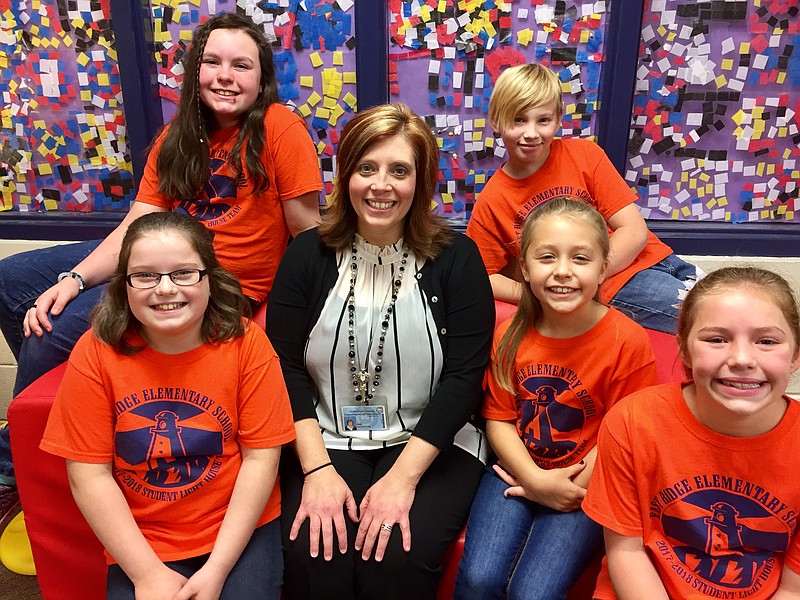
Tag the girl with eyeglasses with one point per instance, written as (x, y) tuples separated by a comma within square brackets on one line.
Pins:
[(171, 415)]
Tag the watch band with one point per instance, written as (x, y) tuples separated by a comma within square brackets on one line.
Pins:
[(76, 276)]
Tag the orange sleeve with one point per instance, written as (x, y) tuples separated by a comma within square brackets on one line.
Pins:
[(493, 233), (296, 165), (148, 187), (498, 404), (636, 366), (265, 416), (612, 499), (81, 422)]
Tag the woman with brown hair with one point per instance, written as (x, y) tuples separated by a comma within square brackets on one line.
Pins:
[(382, 319)]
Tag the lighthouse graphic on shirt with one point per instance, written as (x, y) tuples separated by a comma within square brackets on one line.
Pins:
[(721, 535), (169, 444), (553, 410)]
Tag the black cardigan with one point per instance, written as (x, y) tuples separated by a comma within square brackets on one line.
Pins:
[(460, 298)]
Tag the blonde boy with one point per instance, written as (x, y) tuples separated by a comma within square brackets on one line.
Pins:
[(644, 279)]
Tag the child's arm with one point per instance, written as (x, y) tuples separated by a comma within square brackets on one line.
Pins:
[(301, 213), (632, 572), (628, 238), (101, 501), (505, 289), (552, 487), (790, 585), (582, 478), (251, 491)]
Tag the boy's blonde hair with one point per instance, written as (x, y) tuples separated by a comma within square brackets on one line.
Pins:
[(521, 88)]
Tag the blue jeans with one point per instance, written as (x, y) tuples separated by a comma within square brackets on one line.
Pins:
[(257, 575), (520, 550), (23, 278), (652, 297)]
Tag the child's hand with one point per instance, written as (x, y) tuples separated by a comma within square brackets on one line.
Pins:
[(553, 487), (205, 584), (162, 584)]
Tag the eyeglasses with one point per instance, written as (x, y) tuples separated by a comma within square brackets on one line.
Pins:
[(185, 277)]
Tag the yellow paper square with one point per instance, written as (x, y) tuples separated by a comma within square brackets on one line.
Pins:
[(524, 37), (337, 112), (307, 81), (350, 100), (349, 76), (338, 58), (316, 61), (314, 99)]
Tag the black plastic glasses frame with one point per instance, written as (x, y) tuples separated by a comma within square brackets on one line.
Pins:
[(200, 274)]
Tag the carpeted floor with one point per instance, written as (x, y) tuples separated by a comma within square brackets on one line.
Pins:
[(18, 587)]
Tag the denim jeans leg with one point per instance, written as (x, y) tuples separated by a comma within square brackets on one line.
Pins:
[(652, 297), (40, 354), (6, 464), (559, 548), (258, 574), (496, 530), (23, 278)]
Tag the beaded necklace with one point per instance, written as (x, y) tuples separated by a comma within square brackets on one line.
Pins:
[(361, 376)]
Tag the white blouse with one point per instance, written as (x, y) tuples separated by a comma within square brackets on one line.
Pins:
[(412, 355)]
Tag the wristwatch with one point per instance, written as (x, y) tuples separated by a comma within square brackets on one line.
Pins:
[(76, 277)]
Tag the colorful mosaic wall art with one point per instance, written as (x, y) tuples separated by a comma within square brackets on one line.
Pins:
[(63, 140), (454, 50), (714, 131)]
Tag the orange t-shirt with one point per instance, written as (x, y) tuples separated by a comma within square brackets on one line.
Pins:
[(250, 232), (718, 514), (564, 386), (171, 426), (576, 168)]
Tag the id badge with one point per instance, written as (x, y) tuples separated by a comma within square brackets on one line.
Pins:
[(362, 417)]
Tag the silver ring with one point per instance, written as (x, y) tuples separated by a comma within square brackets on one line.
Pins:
[(386, 526), (33, 307)]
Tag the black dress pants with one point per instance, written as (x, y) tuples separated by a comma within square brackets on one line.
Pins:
[(441, 506)]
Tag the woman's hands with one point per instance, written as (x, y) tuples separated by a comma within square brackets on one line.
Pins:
[(324, 495), (52, 301), (389, 499), (387, 502), (552, 487)]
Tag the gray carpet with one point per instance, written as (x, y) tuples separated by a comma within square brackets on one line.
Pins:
[(18, 587)]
